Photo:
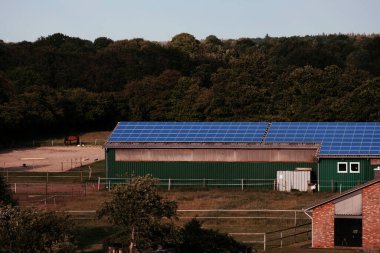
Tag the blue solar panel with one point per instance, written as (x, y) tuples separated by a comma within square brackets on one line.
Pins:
[(337, 138), (188, 132)]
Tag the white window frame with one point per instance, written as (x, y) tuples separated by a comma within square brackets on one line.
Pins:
[(351, 171), (345, 163)]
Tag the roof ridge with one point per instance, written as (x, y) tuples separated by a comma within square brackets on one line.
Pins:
[(347, 192)]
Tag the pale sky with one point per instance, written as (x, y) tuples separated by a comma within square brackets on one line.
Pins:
[(160, 20)]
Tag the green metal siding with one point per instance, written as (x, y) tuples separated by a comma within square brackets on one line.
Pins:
[(200, 170), (331, 180)]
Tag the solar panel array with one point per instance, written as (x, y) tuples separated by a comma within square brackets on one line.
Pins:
[(337, 138), (188, 132)]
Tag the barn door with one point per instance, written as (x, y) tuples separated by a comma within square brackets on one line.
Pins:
[(348, 232), (348, 221)]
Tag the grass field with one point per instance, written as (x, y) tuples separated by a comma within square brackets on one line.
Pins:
[(207, 199), (93, 232)]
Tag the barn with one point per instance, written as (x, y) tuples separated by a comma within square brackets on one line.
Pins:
[(349, 219), (333, 156)]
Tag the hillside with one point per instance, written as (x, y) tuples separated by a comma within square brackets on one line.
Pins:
[(61, 84)]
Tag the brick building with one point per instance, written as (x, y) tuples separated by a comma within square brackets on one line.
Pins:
[(349, 219)]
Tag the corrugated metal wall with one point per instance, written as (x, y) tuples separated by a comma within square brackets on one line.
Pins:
[(293, 180), (331, 180), (215, 155), (200, 170)]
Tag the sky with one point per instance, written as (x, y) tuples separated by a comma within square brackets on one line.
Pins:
[(160, 20)]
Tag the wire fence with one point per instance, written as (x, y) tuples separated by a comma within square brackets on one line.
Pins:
[(47, 194), (338, 185), (170, 183), (30, 165), (46, 177), (85, 174), (243, 183)]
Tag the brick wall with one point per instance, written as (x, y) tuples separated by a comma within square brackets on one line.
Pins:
[(323, 226), (371, 217)]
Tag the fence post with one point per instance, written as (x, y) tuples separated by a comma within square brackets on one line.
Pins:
[(340, 188), (52, 142), (89, 172), (46, 192), (332, 185), (295, 218), (242, 184), (98, 183), (265, 241), (274, 185), (281, 239), (7, 174), (204, 182), (169, 184)]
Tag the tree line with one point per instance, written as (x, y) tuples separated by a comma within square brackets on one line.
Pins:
[(62, 84)]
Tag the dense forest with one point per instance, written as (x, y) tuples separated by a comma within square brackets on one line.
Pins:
[(62, 84)]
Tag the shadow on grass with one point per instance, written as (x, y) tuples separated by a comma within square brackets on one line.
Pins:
[(90, 237)]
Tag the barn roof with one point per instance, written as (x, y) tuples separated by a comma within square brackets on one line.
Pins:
[(337, 139), (343, 194)]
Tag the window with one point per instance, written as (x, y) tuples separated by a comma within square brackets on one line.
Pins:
[(342, 167), (354, 167)]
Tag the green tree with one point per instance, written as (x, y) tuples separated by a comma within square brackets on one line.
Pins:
[(102, 42), (27, 230), (186, 43), (149, 97), (138, 209), (6, 194)]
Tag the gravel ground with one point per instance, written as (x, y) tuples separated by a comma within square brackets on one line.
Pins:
[(51, 159)]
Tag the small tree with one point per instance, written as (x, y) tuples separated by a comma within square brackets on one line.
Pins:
[(137, 208), (29, 230), (5, 194)]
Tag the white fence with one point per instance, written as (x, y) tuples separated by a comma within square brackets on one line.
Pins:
[(170, 183)]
